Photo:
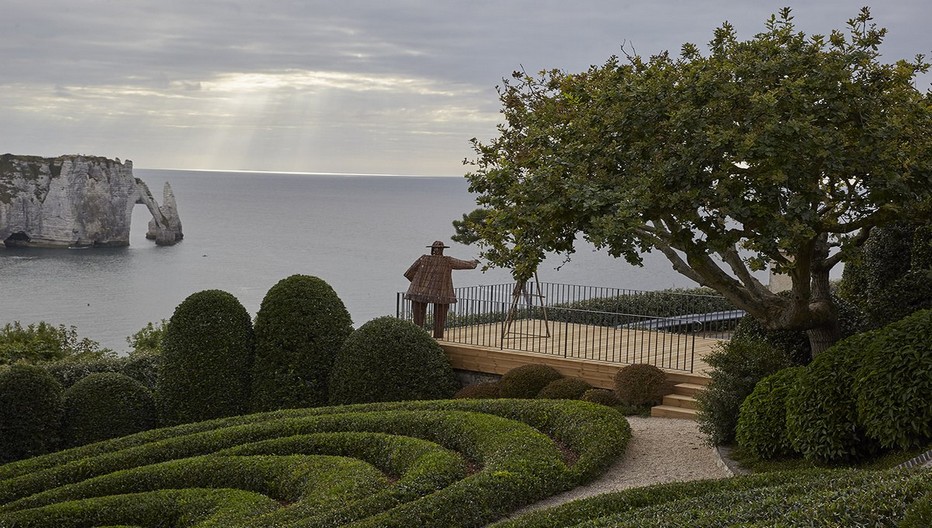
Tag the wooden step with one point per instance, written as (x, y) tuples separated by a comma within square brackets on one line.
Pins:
[(678, 400), (688, 389), (669, 411)]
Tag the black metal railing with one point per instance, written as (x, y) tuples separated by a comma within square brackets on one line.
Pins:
[(586, 322)]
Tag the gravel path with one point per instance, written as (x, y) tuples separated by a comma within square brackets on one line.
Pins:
[(660, 450)]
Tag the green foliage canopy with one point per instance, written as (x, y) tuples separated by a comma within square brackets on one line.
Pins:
[(783, 150)]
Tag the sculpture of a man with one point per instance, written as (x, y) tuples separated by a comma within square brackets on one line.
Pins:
[(431, 279)]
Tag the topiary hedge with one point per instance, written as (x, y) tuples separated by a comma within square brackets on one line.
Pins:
[(527, 380), (791, 498), (484, 389), (762, 422), (893, 385), (640, 385), (737, 366), (601, 396), (564, 389), (30, 412), (300, 327), (821, 417), (206, 359), (388, 359), (106, 405), (436, 464)]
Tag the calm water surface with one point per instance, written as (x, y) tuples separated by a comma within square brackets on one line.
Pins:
[(244, 232)]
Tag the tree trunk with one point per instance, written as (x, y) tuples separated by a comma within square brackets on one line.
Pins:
[(824, 336), (824, 313)]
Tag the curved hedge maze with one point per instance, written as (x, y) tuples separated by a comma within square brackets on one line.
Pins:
[(439, 463), (820, 497)]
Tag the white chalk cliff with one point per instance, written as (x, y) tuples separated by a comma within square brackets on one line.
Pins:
[(77, 201)]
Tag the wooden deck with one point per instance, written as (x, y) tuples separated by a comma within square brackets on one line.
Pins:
[(593, 353)]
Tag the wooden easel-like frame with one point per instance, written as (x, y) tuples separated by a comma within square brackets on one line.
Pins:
[(519, 292)]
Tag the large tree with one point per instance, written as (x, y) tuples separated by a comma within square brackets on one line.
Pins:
[(782, 151)]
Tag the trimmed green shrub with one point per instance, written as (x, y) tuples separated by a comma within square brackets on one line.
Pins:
[(30, 412), (206, 358), (425, 448), (300, 327), (821, 418), (143, 366), (919, 514), (527, 380), (893, 386), (910, 293), (601, 396), (794, 343), (485, 389), (737, 366), (640, 385), (762, 421), (388, 359), (889, 277), (793, 498), (564, 389), (106, 405), (70, 371)]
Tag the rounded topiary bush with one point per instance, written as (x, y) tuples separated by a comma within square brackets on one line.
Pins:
[(30, 412), (737, 366), (601, 396), (762, 421), (299, 329), (640, 385), (564, 389), (894, 384), (481, 390), (106, 405), (821, 418), (206, 359), (527, 380), (388, 359)]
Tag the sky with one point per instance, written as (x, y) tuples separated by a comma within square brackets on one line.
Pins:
[(374, 87)]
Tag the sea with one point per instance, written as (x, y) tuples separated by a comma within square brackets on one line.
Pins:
[(245, 231)]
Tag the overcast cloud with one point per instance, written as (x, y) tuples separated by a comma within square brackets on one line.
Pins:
[(395, 87)]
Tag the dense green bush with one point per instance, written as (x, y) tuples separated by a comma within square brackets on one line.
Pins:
[(762, 422), (451, 463), (142, 366), (564, 389), (821, 417), (526, 381), (300, 327), (388, 359), (793, 498), (484, 389), (148, 339), (106, 405), (206, 359), (919, 514), (793, 343), (889, 277), (893, 385), (601, 396), (70, 371), (30, 412), (41, 342), (910, 293), (737, 366), (640, 385)]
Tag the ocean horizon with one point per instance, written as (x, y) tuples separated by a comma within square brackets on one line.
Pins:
[(246, 230)]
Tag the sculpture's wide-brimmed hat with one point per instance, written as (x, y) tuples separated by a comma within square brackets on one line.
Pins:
[(438, 244)]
